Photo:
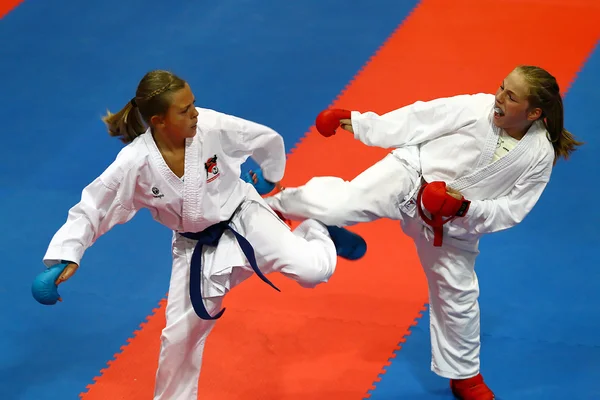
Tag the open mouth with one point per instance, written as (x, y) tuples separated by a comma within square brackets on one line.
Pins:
[(498, 112)]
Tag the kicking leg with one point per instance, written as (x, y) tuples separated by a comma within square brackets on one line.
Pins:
[(375, 193)]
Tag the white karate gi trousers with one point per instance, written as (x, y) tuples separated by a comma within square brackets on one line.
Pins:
[(306, 255), (379, 192)]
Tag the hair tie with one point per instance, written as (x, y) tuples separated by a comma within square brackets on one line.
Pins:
[(133, 103)]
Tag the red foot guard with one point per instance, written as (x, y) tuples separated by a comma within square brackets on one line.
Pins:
[(471, 389)]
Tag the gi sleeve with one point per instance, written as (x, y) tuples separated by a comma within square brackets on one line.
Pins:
[(260, 142), (488, 216), (416, 123), (105, 202)]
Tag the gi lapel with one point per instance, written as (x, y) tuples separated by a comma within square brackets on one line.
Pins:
[(527, 142)]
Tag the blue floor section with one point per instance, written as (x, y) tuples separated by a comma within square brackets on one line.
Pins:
[(62, 64), (539, 286), (514, 368)]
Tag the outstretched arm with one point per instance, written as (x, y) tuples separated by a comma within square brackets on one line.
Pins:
[(104, 203), (410, 125)]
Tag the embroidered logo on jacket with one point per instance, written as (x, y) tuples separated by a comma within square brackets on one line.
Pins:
[(212, 170), (156, 193)]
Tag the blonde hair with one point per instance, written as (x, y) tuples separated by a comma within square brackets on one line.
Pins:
[(152, 97), (545, 94)]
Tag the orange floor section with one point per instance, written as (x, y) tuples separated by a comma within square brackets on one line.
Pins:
[(7, 5), (332, 342)]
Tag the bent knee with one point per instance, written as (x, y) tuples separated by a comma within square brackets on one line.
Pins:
[(310, 263), (315, 266), (310, 278)]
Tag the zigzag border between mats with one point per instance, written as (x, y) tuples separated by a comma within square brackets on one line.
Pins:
[(311, 129), (116, 356), (357, 75), (395, 353)]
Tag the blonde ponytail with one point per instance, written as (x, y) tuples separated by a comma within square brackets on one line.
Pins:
[(126, 125)]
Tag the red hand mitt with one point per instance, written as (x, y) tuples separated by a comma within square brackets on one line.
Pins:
[(438, 202), (329, 120)]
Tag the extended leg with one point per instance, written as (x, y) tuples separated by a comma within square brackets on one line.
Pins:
[(375, 193)]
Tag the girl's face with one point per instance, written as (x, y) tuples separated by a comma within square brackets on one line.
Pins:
[(512, 111), (180, 120)]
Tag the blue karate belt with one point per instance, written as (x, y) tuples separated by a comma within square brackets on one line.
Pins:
[(210, 237)]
